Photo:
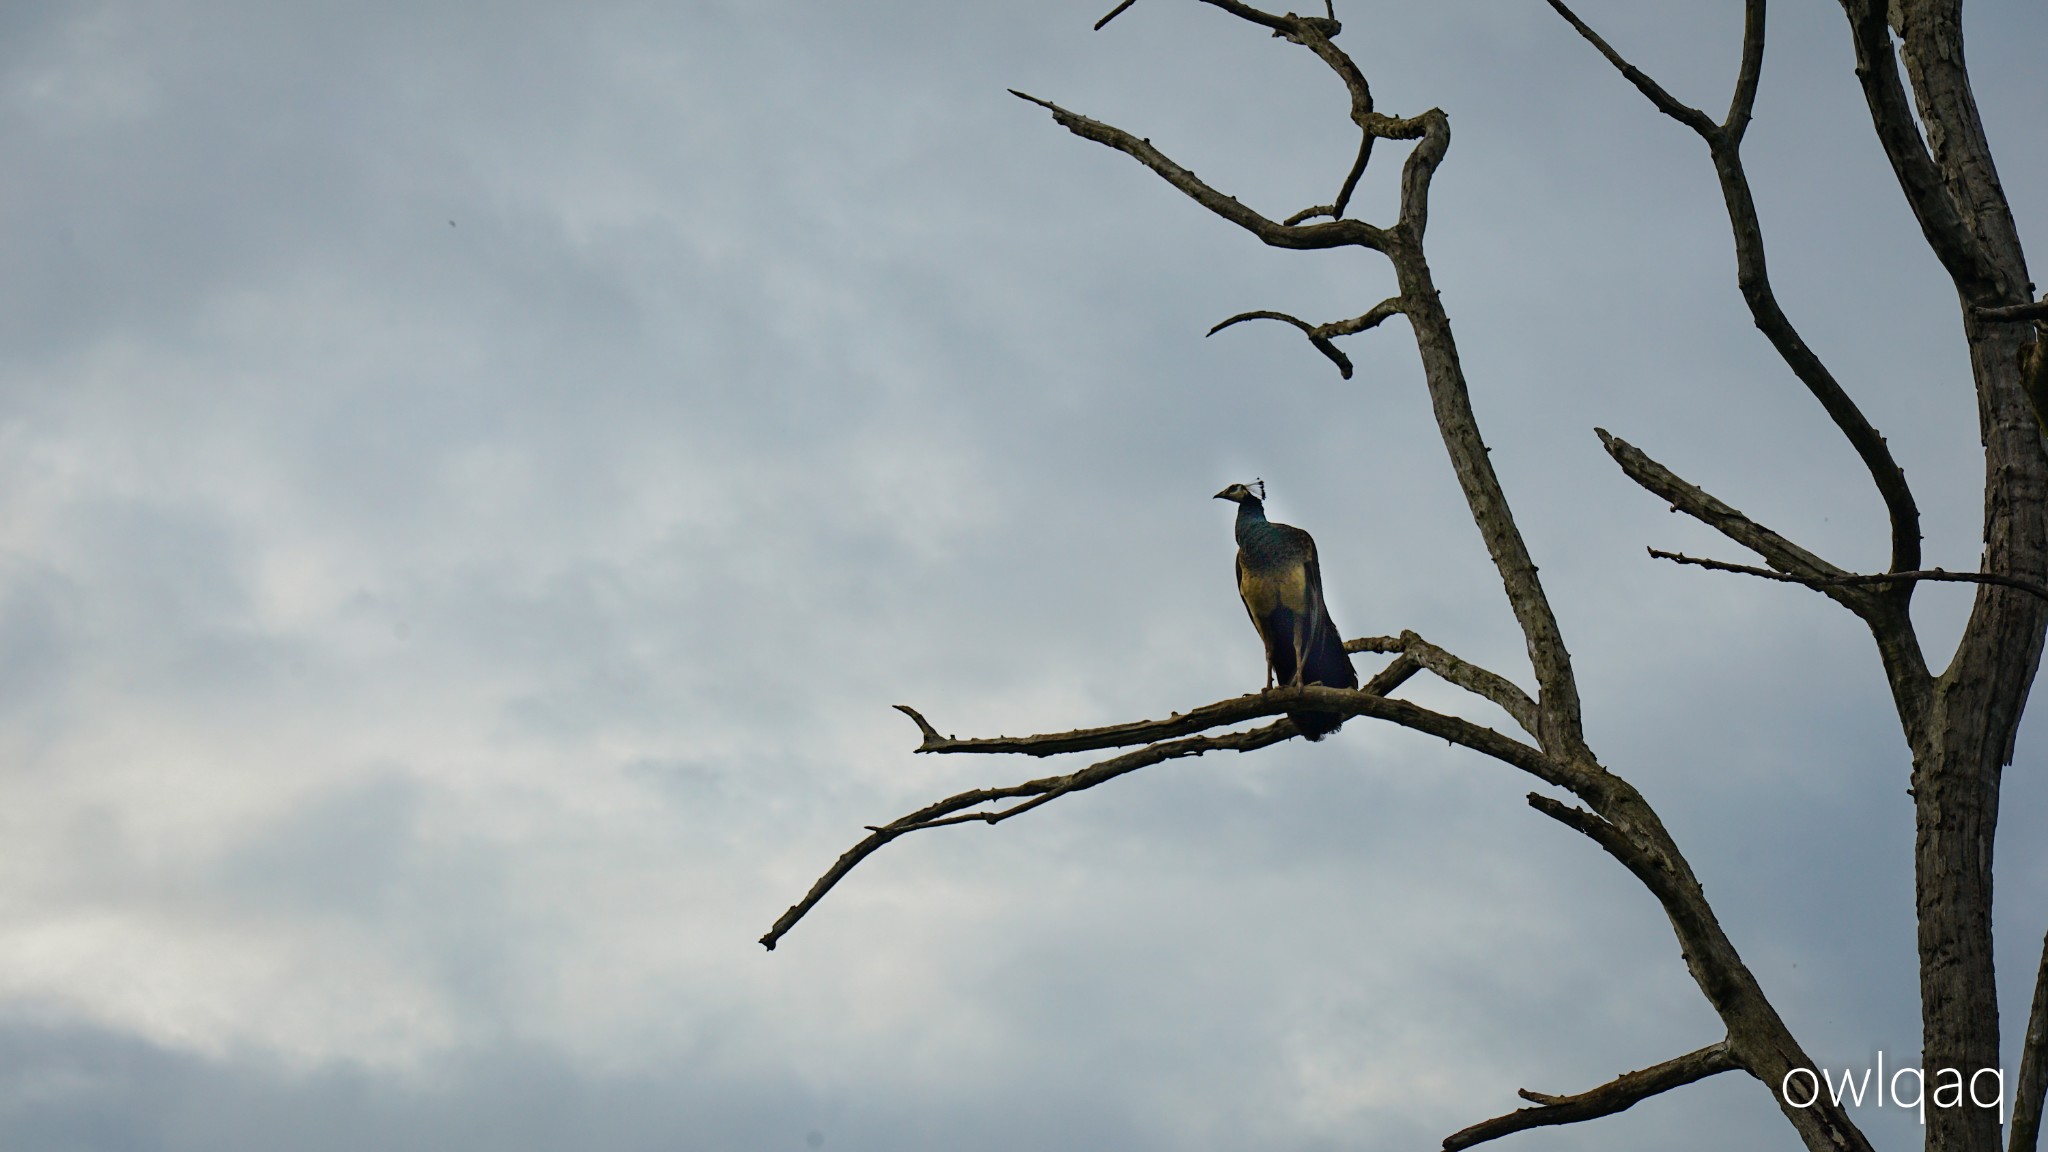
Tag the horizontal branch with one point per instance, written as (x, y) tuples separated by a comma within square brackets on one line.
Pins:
[(1859, 579), (1617, 1095), (1333, 234), (2038, 310), (942, 813), (1272, 701)]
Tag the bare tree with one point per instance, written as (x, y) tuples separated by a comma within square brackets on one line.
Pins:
[(1959, 723)]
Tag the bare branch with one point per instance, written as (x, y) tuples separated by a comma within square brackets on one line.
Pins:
[(2033, 1085), (1280, 24), (1666, 103), (1314, 697), (1744, 101), (1590, 825), (955, 809), (1375, 644), (1335, 209), (1316, 336), (1396, 673), (935, 815), (1474, 679), (1351, 178), (2038, 310), (1320, 334), (1617, 1095), (1695, 502), (1113, 14), (1334, 234), (1879, 579), (1899, 132), (1753, 278), (1724, 142), (1420, 167)]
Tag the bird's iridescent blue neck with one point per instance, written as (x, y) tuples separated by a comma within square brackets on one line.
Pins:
[(1251, 518)]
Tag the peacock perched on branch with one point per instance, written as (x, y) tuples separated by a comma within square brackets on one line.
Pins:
[(1282, 585)]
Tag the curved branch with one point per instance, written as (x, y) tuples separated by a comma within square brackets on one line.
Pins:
[(1319, 334), (1617, 1095), (1879, 579), (1316, 336), (1482, 683), (1752, 274), (1420, 167)]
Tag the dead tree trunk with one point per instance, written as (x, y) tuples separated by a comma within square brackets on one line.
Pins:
[(1959, 724)]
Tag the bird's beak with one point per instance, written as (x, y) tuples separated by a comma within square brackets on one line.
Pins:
[(1223, 495)]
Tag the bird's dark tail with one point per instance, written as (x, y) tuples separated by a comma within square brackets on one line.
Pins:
[(1328, 664)]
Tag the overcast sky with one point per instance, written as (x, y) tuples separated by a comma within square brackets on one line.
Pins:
[(474, 478)]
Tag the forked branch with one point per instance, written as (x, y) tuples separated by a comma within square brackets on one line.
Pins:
[(1049, 788), (1724, 144), (1696, 502), (1167, 740)]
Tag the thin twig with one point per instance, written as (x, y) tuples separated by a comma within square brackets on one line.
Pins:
[(1113, 14), (1724, 143), (2033, 1083), (1856, 579), (1617, 1095)]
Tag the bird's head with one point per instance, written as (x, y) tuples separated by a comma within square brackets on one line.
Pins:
[(1240, 494)]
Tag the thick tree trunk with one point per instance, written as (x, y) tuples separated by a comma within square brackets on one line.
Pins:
[(1963, 732)]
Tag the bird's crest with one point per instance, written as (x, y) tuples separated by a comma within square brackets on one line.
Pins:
[(1261, 486)]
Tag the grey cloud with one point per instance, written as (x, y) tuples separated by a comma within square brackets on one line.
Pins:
[(435, 651)]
